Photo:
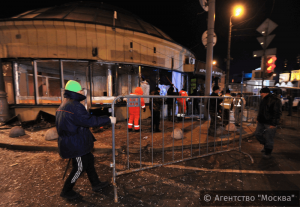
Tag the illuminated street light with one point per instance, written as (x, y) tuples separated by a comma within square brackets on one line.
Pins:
[(214, 62), (237, 11)]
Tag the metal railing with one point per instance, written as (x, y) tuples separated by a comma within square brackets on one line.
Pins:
[(221, 131)]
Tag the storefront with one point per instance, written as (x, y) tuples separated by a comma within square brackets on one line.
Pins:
[(42, 49)]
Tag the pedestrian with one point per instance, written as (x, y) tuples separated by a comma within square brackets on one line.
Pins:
[(171, 102), (239, 103), (196, 101), (134, 112), (75, 140), (214, 109), (227, 105), (181, 105), (157, 105), (145, 87), (267, 120)]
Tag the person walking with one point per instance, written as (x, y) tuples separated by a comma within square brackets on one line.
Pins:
[(134, 112), (196, 102), (75, 140), (239, 103), (227, 106), (157, 105), (214, 109), (181, 105), (171, 101), (270, 110)]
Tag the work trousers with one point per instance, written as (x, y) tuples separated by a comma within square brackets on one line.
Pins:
[(237, 115), (213, 123), (265, 135), (226, 117), (82, 164), (156, 120), (134, 120), (171, 111)]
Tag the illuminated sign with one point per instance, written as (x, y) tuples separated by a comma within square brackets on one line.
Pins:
[(284, 77), (213, 72), (295, 75)]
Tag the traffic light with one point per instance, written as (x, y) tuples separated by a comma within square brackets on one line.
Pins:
[(271, 64), (269, 67)]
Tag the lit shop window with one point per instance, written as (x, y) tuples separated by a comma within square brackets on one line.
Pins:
[(24, 82), (48, 82), (8, 81)]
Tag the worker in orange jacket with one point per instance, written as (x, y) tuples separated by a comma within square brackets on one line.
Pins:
[(134, 112), (181, 104)]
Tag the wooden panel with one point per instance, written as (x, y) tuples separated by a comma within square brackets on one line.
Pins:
[(51, 39), (111, 44), (23, 41), (91, 40), (71, 40), (81, 40), (41, 39), (61, 39), (136, 49), (101, 42), (144, 52), (12, 46), (120, 39), (127, 50), (32, 39)]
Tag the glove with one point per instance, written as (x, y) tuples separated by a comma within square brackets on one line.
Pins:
[(144, 109), (113, 120)]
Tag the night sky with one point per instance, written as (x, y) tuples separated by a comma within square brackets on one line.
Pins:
[(185, 21)]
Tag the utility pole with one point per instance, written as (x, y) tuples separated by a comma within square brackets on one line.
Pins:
[(210, 45)]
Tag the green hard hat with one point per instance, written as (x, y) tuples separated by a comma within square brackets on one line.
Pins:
[(73, 86)]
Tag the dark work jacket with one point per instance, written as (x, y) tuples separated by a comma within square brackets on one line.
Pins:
[(157, 102), (72, 124), (269, 110), (212, 103), (170, 92)]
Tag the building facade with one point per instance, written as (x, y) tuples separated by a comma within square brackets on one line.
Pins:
[(105, 48)]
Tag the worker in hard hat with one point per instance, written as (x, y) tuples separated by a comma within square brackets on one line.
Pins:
[(75, 140), (134, 111)]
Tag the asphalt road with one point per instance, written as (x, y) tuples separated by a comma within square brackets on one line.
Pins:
[(35, 178)]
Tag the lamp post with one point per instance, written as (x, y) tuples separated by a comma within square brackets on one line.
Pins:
[(237, 12)]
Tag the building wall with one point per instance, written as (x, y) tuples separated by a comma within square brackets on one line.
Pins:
[(73, 40)]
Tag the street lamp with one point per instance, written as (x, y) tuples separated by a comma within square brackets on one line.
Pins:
[(214, 62), (237, 11)]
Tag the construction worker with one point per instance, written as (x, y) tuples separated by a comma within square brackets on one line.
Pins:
[(134, 112), (181, 104)]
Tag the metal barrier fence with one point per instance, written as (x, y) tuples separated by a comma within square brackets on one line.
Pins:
[(224, 130)]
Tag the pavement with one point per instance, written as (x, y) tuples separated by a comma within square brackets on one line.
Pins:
[(194, 135)]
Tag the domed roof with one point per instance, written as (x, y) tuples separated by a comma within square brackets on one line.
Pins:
[(95, 13)]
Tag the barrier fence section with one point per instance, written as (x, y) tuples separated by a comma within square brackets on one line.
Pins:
[(197, 137)]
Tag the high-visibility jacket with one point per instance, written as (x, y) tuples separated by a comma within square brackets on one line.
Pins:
[(134, 112), (227, 101), (182, 102)]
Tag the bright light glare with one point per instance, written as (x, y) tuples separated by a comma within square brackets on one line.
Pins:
[(238, 10), (214, 62)]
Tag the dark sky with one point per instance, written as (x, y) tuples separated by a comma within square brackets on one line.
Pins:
[(185, 21)]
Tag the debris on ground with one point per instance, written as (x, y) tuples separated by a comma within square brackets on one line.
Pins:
[(16, 131), (43, 120)]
